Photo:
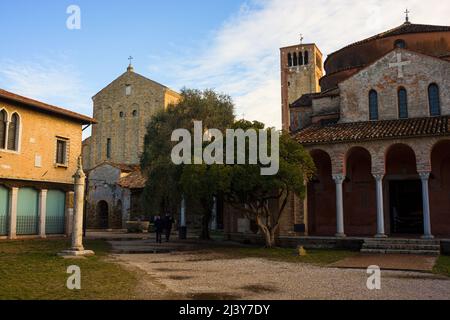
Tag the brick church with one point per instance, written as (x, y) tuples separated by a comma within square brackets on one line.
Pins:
[(111, 155), (377, 126)]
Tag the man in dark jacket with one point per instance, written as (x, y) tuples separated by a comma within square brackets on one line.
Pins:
[(168, 224), (159, 227)]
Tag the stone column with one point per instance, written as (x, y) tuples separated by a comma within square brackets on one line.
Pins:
[(214, 215), (380, 206), (77, 248), (182, 232), (425, 176), (14, 194), (339, 180), (183, 213), (42, 212), (69, 213)]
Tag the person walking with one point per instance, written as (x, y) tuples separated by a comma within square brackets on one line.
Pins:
[(159, 227), (168, 224)]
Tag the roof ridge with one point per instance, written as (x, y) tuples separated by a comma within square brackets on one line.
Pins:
[(45, 106)]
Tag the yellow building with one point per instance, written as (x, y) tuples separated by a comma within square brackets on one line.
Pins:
[(39, 148)]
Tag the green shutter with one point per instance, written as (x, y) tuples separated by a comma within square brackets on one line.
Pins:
[(4, 208), (27, 212), (55, 217)]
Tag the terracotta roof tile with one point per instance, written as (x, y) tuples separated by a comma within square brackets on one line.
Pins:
[(46, 107), (405, 28), (135, 180), (374, 130)]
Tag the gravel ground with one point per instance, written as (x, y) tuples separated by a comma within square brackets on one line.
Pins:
[(194, 275)]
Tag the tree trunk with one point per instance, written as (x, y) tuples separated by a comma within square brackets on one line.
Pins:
[(206, 219), (269, 236)]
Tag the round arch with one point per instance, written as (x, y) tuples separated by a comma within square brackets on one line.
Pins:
[(400, 159), (322, 196), (359, 193), (440, 188)]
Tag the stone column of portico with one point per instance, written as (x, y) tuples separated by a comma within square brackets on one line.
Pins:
[(339, 180), (425, 176), (42, 212), (14, 194), (380, 206)]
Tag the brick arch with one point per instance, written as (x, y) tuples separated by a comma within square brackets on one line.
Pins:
[(359, 193), (356, 151), (322, 196), (400, 158), (440, 188)]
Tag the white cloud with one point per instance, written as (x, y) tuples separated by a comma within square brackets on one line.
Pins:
[(242, 58), (51, 81)]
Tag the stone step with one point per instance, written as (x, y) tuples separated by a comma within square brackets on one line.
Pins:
[(404, 241), (396, 246), (398, 251)]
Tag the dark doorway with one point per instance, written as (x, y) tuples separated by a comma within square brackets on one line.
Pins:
[(102, 215), (406, 207)]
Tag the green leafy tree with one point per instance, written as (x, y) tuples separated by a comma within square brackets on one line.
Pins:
[(167, 183), (263, 198)]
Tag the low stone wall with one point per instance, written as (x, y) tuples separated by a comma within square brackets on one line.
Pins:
[(294, 242)]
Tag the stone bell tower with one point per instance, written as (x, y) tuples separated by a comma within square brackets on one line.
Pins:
[(301, 70)]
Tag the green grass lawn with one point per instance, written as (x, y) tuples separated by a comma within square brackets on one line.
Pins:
[(32, 270), (316, 257), (442, 266)]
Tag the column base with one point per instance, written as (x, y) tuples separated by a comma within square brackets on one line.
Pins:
[(340, 235), (75, 253), (427, 237), (381, 236)]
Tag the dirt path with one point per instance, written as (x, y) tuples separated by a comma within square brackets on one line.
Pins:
[(209, 275)]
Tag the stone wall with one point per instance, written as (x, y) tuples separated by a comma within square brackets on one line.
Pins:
[(123, 110), (298, 80), (36, 158), (418, 74)]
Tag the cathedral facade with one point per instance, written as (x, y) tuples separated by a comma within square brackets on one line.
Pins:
[(111, 156)]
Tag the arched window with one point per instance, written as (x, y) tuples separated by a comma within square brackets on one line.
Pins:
[(300, 59), (289, 60), (434, 100), (402, 103), (13, 133), (400, 43), (3, 119), (306, 60), (373, 105), (295, 60)]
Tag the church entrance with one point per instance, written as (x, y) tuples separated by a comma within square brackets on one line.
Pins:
[(406, 207), (102, 215)]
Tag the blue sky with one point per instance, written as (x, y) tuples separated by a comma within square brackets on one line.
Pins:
[(228, 45)]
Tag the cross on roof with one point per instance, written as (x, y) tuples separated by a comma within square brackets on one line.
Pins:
[(130, 58), (399, 64), (407, 12)]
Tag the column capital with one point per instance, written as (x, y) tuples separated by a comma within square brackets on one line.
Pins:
[(378, 176), (425, 175), (338, 178)]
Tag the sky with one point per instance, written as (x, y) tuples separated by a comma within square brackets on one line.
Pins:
[(231, 46)]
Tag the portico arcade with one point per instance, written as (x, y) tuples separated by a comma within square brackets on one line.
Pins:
[(380, 188)]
